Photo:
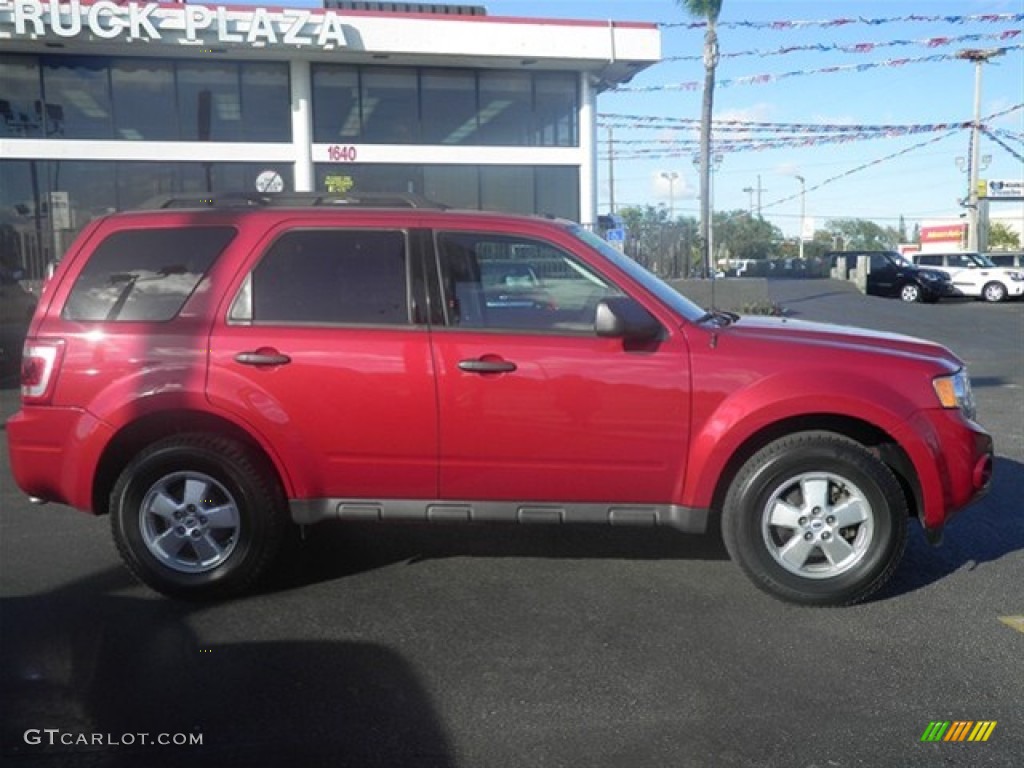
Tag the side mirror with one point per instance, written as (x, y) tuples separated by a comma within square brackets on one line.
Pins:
[(622, 317)]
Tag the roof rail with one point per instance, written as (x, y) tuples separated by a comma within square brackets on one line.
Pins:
[(291, 200)]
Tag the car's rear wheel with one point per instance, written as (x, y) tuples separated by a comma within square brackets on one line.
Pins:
[(994, 292), (815, 518), (198, 516), (911, 292)]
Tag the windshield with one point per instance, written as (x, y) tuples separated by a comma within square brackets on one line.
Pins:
[(666, 293), (980, 260)]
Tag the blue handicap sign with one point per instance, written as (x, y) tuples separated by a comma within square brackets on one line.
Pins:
[(617, 235)]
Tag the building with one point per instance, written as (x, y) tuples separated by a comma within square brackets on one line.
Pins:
[(105, 104)]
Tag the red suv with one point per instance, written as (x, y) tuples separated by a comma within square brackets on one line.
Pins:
[(209, 375)]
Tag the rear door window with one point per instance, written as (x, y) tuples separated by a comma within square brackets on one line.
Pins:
[(144, 275), (329, 277)]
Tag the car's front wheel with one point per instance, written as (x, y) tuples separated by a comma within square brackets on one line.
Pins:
[(911, 292), (815, 518), (197, 516), (994, 292)]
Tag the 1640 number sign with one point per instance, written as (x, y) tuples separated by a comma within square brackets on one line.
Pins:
[(341, 154)]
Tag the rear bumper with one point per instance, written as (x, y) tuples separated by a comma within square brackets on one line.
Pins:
[(54, 453)]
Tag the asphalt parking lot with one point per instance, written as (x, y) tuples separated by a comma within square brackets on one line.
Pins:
[(471, 647)]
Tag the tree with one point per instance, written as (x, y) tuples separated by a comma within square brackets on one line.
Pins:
[(661, 245), (863, 235), (738, 235), (1002, 238), (708, 10)]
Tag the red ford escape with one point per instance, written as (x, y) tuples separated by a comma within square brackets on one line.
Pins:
[(209, 373)]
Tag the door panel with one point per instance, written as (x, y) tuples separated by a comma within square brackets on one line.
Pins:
[(320, 355), (533, 405)]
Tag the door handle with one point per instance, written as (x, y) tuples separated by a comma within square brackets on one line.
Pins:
[(262, 356), (487, 366)]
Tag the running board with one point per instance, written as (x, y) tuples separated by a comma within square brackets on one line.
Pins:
[(686, 519)]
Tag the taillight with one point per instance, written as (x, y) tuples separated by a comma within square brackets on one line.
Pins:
[(40, 360)]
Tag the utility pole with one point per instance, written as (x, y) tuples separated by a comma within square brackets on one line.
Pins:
[(611, 172), (803, 212), (671, 177), (750, 202), (979, 56)]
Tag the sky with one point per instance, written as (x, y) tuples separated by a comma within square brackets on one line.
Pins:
[(922, 184)]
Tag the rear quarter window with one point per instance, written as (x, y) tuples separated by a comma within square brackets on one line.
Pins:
[(144, 275)]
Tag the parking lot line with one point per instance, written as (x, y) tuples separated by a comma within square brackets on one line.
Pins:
[(1015, 622)]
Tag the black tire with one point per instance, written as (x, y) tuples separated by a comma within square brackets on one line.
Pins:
[(994, 292), (808, 485), (911, 293), (198, 517)]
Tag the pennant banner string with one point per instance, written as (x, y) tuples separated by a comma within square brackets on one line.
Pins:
[(1002, 144), (929, 42), (987, 18), (771, 78), (651, 122)]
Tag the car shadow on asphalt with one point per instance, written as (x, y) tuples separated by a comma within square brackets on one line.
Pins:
[(333, 550), (89, 659), (984, 532)]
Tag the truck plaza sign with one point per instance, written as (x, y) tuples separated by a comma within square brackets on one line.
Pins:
[(189, 24)]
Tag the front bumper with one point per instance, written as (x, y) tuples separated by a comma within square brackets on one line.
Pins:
[(953, 460)]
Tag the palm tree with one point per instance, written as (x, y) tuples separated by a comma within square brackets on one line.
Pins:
[(709, 10)]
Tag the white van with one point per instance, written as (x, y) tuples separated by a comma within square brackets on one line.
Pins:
[(975, 275)]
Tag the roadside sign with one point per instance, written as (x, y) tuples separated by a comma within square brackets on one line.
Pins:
[(617, 235), (1003, 189)]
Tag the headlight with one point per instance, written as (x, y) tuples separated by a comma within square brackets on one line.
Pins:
[(1018, 276), (955, 392)]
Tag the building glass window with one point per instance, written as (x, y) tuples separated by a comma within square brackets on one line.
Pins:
[(143, 94), (228, 177), (20, 97), (266, 102), (556, 109), (558, 191), (507, 188), (336, 114), (78, 89), (449, 108), (209, 103), (390, 106), (506, 108), (454, 185)]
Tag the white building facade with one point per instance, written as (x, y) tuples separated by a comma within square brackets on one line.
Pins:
[(104, 105)]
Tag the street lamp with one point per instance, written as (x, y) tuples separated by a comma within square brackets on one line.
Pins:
[(803, 211), (979, 56), (671, 176)]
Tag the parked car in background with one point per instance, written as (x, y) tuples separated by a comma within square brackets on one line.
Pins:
[(210, 374), (975, 275), (891, 274), (1012, 259)]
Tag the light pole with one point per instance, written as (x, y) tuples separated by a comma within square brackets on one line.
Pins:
[(803, 211), (979, 56), (671, 177)]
